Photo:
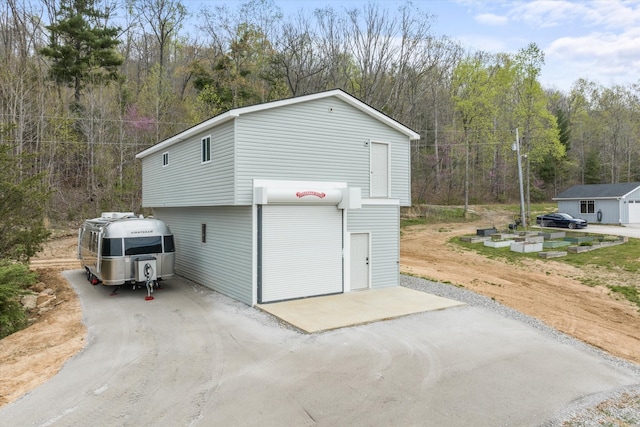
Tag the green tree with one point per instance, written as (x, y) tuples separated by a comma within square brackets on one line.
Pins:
[(14, 280), (22, 202), (473, 94), (540, 133), (82, 48), (593, 168), (554, 168)]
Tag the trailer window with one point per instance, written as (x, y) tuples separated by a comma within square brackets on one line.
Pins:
[(169, 246), (112, 247), (143, 245)]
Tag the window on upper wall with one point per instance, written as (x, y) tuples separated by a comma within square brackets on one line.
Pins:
[(206, 149), (587, 206), (203, 233), (165, 159)]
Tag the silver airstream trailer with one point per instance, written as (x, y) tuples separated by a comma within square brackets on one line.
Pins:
[(123, 248)]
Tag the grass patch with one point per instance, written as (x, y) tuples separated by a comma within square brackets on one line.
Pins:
[(428, 214), (503, 254), (620, 257), (628, 292), (614, 258)]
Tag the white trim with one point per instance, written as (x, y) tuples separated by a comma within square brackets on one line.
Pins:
[(254, 255), (626, 195), (232, 114)]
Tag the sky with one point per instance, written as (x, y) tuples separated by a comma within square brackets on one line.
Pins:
[(597, 40)]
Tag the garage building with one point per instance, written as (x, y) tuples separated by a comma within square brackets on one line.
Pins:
[(288, 199), (602, 203)]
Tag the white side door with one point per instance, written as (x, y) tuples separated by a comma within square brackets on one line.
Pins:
[(379, 170), (360, 261)]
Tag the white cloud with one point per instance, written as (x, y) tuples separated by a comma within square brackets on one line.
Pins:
[(600, 56), (491, 19), (483, 42), (554, 13), (614, 14), (547, 13)]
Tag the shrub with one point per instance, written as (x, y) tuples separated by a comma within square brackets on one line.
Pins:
[(14, 282)]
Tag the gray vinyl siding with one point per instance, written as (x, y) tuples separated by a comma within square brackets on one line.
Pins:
[(383, 222), (186, 180), (225, 262), (634, 195), (610, 208), (321, 140)]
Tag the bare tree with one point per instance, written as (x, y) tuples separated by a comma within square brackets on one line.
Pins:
[(163, 18), (371, 36), (298, 60)]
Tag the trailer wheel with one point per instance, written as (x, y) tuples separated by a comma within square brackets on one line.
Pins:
[(93, 279)]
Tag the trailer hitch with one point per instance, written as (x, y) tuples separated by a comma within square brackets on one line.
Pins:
[(148, 274)]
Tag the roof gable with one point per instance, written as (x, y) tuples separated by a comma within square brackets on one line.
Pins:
[(598, 191), (237, 112)]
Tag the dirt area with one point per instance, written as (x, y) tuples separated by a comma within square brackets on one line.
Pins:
[(31, 356), (548, 290)]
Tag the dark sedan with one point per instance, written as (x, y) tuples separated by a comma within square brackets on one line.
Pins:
[(560, 220)]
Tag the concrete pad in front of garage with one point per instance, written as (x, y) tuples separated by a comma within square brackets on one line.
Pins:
[(355, 308)]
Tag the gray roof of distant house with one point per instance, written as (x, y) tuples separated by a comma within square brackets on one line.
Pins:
[(598, 191)]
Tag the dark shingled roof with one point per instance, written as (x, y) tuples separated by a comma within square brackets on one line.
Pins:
[(598, 191)]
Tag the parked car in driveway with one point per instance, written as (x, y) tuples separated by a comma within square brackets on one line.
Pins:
[(560, 220)]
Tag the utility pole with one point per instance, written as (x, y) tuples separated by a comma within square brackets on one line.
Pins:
[(522, 210)]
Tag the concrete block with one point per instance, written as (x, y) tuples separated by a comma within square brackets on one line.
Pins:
[(526, 247), (486, 231), (580, 239), (498, 243), (552, 254), (474, 239), (535, 239), (554, 235), (550, 244)]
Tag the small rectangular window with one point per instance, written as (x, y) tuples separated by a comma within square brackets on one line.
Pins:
[(169, 245), (587, 206), (206, 149), (165, 159), (111, 247), (204, 233)]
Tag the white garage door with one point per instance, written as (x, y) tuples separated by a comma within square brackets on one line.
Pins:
[(301, 252), (634, 211)]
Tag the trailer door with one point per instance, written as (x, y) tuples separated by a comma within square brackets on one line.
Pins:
[(301, 252)]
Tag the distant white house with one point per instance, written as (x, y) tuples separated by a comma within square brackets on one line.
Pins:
[(602, 203), (289, 199)]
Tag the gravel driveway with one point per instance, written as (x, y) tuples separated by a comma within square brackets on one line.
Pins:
[(195, 357)]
